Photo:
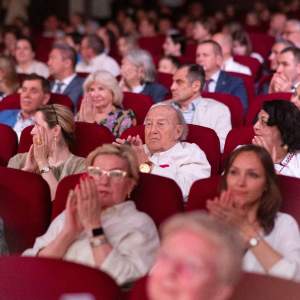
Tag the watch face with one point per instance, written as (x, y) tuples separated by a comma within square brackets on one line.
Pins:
[(46, 169)]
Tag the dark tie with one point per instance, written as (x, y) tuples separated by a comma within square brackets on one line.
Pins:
[(207, 82), (58, 89)]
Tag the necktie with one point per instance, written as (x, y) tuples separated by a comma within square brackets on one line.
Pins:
[(58, 89), (207, 82)]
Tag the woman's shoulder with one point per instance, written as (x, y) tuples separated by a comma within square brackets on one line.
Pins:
[(74, 165), (17, 161), (285, 220)]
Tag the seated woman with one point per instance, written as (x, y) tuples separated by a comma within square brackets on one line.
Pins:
[(9, 83), (49, 155), (250, 200), (102, 102), (25, 53), (278, 130), (126, 43), (98, 227), (139, 75)]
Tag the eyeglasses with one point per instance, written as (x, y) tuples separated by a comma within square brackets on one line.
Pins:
[(113, 175), (289, 32)]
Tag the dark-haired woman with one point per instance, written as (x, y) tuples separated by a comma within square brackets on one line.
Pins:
[(250, 201), (278, 131), (49, 155)]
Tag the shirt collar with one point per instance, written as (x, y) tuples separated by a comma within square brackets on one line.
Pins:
[(20, 118), (192, 105), (215, 76), (67, 80)]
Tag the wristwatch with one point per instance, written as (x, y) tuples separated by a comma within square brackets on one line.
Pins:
[(99, 241), (95, 232), (45, 170), (146, 166)]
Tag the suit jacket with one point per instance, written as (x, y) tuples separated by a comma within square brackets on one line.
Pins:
[(155, 90), (212, 114), (9, 117), (73, 90), (232, 85)]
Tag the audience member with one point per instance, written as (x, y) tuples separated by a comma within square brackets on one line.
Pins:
[(202, 30), (209, 56), (188, 83), (102, 103), (250, 200), (9, 83), (74, 40), (11, 34), (26, 64), (164, 153), (291, 32), (287, 76), (62, 61), (126, 43), (129, 26), (94, 58), (168, 64), (35, 92), (277, 24), (174, 45), (98, 227), (199, 259), (147, 27), (52, 28), (139, 75), (228, 64)]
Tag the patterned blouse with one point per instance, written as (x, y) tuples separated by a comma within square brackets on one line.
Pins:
[(118, 120)]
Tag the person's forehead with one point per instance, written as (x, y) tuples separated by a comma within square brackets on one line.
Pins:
[(290, 26), (286, 56), (56, 52), (161, 112), (278, 47), (181, 73), (32, 84), (23, 43), (205, 48)]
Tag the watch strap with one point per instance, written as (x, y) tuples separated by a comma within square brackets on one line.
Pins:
[(99, 241), (95, 232)]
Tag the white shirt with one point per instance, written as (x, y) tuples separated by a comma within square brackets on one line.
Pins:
[(138, 88), (36, 67), (184, 163), (21, 124), (132, 234), (214, 79), (285, 239), (66, 82), (232, 66), (100, 62), (290, 167)]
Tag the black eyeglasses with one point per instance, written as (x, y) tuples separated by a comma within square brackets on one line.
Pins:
[(55, 115)]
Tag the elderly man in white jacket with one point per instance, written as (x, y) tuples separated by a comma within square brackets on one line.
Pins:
[(164, 154)]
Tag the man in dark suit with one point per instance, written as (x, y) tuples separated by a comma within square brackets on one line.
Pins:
[(209, 56), (61, 63)]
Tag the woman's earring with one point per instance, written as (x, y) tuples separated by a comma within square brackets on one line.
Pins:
[(128, 195), (285, 147), (55, 142)]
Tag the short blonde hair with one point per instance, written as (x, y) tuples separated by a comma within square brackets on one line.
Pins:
[(109, 81), (226, 241), (124, 152)]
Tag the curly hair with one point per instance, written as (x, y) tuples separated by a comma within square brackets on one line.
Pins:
[(286, 116)]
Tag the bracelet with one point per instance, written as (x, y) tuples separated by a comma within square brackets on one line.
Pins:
[(99, 241), (95, 232)]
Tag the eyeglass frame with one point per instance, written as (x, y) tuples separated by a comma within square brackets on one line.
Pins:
[(107, 173)]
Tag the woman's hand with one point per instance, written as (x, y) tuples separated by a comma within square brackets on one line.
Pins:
[(86, 112), (30, 163), (123, 86), (260, 141), (41, 152), (88, 203), (137, 145)]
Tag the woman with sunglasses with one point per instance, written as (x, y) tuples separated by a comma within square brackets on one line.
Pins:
[(49, 155), (98, 227)]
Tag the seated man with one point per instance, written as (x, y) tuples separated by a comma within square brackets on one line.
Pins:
[(35, 92), (164, 154), (199, 258), (209, 56), (188, 82)]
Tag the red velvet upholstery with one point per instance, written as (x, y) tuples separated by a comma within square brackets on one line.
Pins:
[(25, 207), (44, 45), (29, 278), (88, 138), (256, 104), (13, 101), (139, 289), (265, 79), (190, 52), (152, 44), (262, 43), (139, 103), (167, 81), (234, 104), (248, 83), (159, 197), (83, 74), (204, 137), (21, 77), (8, 145), (252, 63), (237, 136)]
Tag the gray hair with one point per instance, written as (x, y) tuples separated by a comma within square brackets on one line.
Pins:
[(142, 58), (226, 240), (286, 43), (109, 81), (181, 121), (294, 22)]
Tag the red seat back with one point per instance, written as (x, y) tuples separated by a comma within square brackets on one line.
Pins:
[(30, 278), (248, 83), (167, 81), (83, 74), (262, 43), (88, 138), (147, 195), (204, 137), (43, 49), (256, 104), (25, 208), (8, 145), (252, 63), (233, 103), (152, 44)]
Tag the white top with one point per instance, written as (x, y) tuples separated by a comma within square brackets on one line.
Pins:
[(100, 62), (285, 239), (132, 234), (66, 82), (232, 66), (21, 124), (36, 67), (184, 163), (292, 167), (257, 56)]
